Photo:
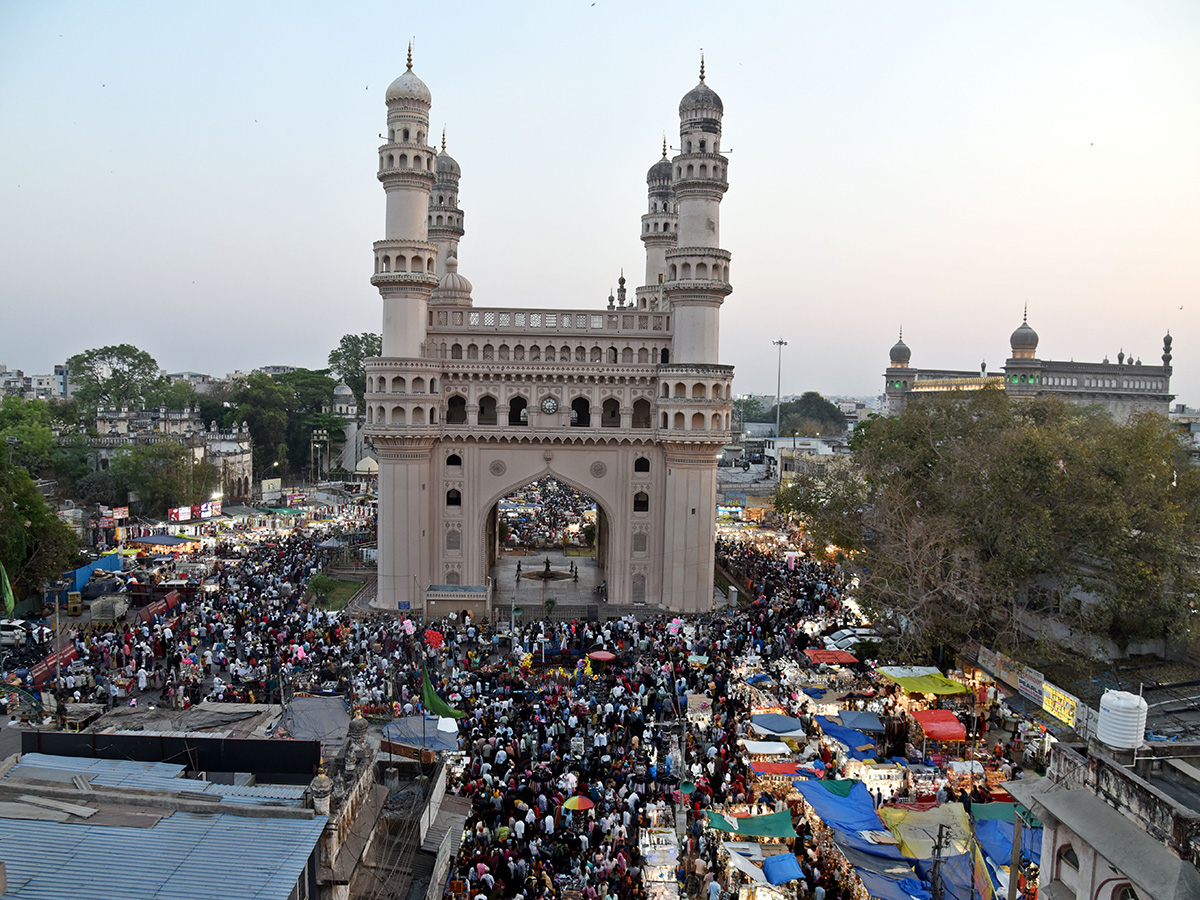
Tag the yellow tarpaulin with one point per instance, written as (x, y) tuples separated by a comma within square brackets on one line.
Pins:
[(917, 830), (930, 684)]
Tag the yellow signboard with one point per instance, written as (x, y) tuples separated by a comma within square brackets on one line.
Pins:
[(1059, 703)]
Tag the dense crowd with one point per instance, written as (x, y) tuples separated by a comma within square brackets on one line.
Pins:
[(543, 513)]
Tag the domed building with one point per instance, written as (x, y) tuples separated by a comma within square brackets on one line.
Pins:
[(1124, 388)]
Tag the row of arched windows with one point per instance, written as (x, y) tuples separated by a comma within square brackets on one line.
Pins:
[(380, 415), (684, 272), (715, 422), (392, 161), (519, 353), (667, 226), (386, 263), (699, 391), (404, 132), (399, 385), (518, 412), (445, 220), (691, 172)]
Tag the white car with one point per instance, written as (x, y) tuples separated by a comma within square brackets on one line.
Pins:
[(832, 641), (13, 632)]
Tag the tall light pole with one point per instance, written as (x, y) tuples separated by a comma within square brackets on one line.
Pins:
[(780, 343)]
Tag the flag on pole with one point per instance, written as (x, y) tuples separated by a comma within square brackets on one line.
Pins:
[(6, 593), (433, 702)]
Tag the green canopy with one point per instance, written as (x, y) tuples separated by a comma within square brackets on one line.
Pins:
[(930, 684), (434, 703), (775, 825), (839, 786)]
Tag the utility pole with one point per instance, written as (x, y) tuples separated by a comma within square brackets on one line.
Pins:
[(936, 875), (780, 343)]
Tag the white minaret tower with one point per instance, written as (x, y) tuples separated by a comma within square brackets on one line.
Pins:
[(445, 218), (697, 268), (405, 260), (658, 231), (403, 396)]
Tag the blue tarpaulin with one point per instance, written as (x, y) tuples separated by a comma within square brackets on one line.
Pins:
[(885, 888), (782, 868), (758, 678), (854, 812), (81, 576), (996, 836), (956, 878), (861, 746), (861, 721), (776, 723), (815, 693), (420, 731)]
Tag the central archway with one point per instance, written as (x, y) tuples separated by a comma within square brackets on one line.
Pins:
[(547, 539)]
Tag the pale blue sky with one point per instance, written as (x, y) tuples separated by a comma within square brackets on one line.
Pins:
[(199, 179)]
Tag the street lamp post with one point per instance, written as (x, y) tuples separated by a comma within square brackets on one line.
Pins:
[(780, 343)]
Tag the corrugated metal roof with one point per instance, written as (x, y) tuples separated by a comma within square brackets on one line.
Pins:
[(147, 776), (183, 857)]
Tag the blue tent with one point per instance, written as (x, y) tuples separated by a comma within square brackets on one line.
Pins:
[(861, 721), (776, 723), (957, 883), (782, 868)]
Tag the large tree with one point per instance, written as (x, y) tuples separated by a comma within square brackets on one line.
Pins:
[(282, 413), (962, 512), (115, 376), (35, 545), (810, 415), (164, 474), (348, 359)]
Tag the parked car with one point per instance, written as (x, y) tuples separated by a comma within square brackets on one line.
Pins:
[(13, 632)]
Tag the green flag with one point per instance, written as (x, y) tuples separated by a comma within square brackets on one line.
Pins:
[(433, 702), (6, 592)]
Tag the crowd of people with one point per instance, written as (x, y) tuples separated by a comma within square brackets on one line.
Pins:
[(543, 514)]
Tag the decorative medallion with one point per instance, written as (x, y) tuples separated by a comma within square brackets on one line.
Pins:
[(599, 470), (548, 455), (497, 467)]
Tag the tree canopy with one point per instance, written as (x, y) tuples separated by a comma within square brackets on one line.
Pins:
[(810, 415), (115, 376), (162, 475), (961, 513), (35, 545), (348, 359), (282, 412)]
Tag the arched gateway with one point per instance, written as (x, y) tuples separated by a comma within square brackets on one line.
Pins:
[(627, 402)]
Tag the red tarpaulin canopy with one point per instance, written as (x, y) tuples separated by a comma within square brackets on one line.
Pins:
[(940, 725), (830, 656), (774, 768), (602, 656)]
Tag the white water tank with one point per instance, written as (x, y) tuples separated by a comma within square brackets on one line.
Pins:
[(1122, 722)]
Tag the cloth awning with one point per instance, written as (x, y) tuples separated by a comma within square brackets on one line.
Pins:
[(782, 868), (162, 540), (742, 864), (940, 725), (833, 657), (774, 825), (861, 721), (776, 723), (774, 768), (930, 684), (766, 748), (909, 671), (860, 746)]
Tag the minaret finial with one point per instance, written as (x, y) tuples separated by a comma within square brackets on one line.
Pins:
[(1025, 316), (443, 138), (702, 65), (410, 56), (664, 145)]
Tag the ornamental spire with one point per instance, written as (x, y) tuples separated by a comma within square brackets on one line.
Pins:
[(410, 57), (701, 65), (443, 138), (664, 145)]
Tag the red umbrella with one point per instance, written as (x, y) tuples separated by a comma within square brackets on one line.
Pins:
[(434, 638), (602, 656)]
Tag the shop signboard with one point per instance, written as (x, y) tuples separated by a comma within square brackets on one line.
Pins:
[(120, 512), (1059, 703), (1007, 670), (272, 485), (1030, 685), (987, 659), (107, 522), (179, 514), (735, 499)]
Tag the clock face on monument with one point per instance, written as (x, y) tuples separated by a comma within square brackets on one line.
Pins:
[(549, 406)]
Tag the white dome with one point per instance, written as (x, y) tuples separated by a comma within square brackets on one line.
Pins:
[(409, 87), (343, 390)]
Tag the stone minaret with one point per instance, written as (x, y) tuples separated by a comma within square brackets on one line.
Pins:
[(658, 231), (445, 218), (403, 393), (697, 280)]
